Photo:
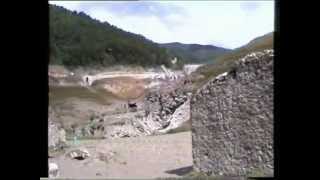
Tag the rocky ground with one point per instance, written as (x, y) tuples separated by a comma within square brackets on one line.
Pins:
[(135, 157), (152, 114), (122, 125)]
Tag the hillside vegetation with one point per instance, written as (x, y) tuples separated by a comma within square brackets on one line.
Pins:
[(194, 53), (79, 40), (225, 62)]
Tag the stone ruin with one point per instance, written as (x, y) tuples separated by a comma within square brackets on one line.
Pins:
[(157, 113), (161, 113), (56, 134), (166, 110), (232, 120)]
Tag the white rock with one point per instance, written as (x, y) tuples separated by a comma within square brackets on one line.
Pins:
[(53, 170), (221, 75), (79, 154)]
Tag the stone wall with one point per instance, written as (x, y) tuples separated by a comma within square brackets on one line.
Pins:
[(158, 113), (166, 110), (232, 120), (56, 134)]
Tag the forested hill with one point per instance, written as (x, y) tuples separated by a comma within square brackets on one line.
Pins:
[(79, 40), (195, 53)]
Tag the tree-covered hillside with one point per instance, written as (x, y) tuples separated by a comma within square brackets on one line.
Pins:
[(195, 53), (78, 40)]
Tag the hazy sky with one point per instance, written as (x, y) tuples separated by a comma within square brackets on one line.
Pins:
[(228, 24)]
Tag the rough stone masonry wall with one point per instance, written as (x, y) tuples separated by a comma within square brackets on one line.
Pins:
[(163, 110), (232, 120)]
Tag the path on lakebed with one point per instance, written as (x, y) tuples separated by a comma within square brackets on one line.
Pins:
[(167, 155)]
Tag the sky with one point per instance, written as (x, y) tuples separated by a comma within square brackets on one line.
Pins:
[(228, 24)]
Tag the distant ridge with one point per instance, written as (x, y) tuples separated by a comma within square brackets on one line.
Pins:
[(194, 53)]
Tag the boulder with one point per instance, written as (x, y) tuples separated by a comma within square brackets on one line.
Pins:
[(79, 154), (53, 170)]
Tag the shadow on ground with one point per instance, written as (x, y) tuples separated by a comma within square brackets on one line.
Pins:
[(180, 171)]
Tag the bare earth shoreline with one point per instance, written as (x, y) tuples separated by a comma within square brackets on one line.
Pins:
[(162, 156)]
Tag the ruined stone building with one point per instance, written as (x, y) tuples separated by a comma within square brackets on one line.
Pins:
[(232, 120)]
